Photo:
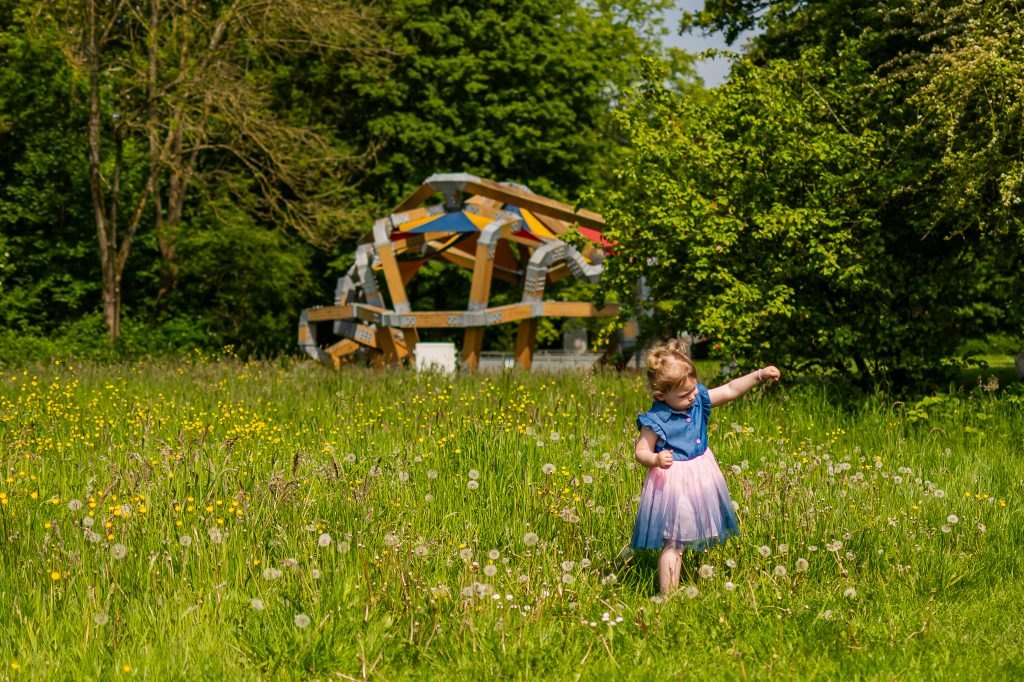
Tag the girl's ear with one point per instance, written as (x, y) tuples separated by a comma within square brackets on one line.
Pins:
[(658, 395)]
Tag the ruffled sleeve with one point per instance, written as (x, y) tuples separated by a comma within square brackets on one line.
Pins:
[(656, 425), (705, 403)]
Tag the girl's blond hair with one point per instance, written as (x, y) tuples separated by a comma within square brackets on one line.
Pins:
[(669, 366)]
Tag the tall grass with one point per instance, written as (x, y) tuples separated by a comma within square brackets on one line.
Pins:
[(216, 519)]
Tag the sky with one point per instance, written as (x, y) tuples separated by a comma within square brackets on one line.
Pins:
[(713, 71)]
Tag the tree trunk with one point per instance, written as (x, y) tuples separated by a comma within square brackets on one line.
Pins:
[(106, 231)]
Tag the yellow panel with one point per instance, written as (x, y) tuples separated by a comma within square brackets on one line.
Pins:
[(536, 226), (480, 221), (405, 227)]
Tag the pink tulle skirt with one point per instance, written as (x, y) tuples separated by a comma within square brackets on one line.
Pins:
[(686, 506)]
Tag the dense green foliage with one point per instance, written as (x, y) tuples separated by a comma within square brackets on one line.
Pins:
[(229, 520), (275, 147), (850, 199)]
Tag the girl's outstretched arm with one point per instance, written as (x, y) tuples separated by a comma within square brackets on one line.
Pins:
[(741, 385)]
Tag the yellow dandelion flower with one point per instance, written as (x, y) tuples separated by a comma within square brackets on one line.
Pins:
[(126, 668), (55, 575)]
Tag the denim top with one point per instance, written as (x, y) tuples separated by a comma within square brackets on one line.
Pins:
[(684, 433)]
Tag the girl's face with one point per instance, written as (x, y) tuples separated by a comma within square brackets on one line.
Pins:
[(681, 397)]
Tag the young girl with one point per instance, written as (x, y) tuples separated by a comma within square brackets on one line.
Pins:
[(685, 503)]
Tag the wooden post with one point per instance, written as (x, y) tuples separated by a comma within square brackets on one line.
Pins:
[(395, 349), (526, 339), (472, 344), (480, 292)]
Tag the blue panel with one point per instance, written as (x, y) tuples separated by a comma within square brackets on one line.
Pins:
[(450, 222)]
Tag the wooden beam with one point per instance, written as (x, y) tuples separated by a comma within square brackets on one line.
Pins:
[(464, 260), (393, 277), (559, 227), (558, 272), (578, 309), (415, 199), (533, 202), (526, 340), (366, 313), (472, 343), (340, 349)]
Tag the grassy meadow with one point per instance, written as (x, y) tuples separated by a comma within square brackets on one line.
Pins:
[(215, 519)]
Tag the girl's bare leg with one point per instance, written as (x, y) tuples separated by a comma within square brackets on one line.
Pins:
[(668, 569)]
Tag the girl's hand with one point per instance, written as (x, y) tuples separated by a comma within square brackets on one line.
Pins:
[(769, 373), (663, 459)]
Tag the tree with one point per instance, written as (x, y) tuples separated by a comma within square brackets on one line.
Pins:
[(772, 218), (168, 85), (509, 90)]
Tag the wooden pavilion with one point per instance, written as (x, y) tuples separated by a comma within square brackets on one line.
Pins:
[(498, 230)]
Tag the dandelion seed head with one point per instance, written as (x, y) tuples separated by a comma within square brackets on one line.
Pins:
[(568, 565), (256, 604), (75, 505), (474, 474), (490, 570), (185, 541), (952, 519), (548, 469), (530, 539), (731, 563), (568, 578), (101, 618), (780, 571), (271, 573), (431, 474), (850, 593), (343, 547), (88, 521), (493, 555), (216, 535), (472, 485), (118, 551), (391, 540), (324, 540), (301, 621), (783, 548), (946, 528), (691, 591), (588, 479), (834, 546), (802, 565), (465, 554), (420, 550), (707, 571), (764, 551)]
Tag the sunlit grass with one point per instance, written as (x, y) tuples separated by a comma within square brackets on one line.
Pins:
[(214, 518)]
